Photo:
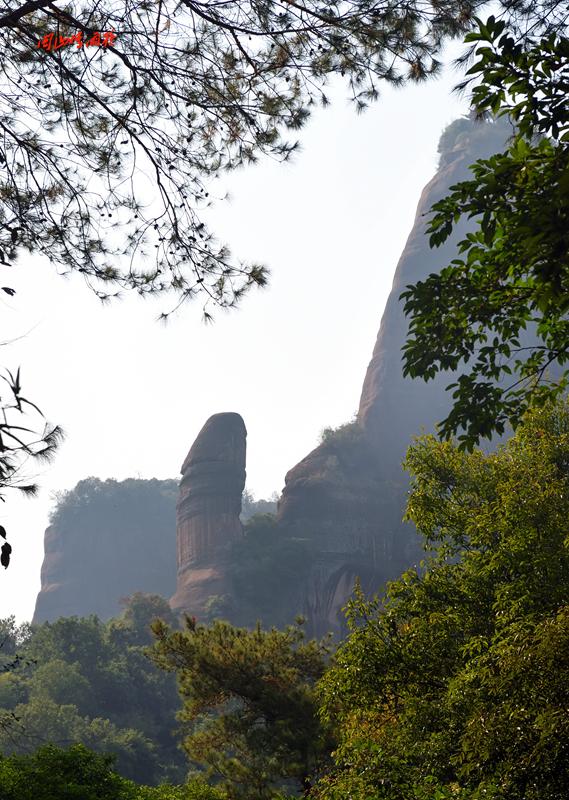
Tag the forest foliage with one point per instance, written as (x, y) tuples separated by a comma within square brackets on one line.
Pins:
[(451, 685), (76, 773), (267, 570), (455, 683), (85, 681)]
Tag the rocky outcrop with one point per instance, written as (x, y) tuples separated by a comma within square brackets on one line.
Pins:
[(209, 504), (337, 497), (349, 493), (107, 540)]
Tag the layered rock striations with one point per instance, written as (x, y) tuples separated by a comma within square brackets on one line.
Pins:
[(107, 540), (207, 520), (349, 493)]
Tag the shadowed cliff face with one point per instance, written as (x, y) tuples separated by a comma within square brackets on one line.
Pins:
[(393, 408), (349, 493), (107, 540), (209, 504)]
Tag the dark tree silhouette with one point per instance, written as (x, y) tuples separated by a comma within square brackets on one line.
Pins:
[(105, 151), (21, 445)]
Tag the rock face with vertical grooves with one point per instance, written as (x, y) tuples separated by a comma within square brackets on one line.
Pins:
[(349, 493), (207, 520)]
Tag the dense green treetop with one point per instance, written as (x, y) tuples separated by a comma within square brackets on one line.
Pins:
[(456, 684), (52, 773), (111, 499), (85, 681), (249, 703)]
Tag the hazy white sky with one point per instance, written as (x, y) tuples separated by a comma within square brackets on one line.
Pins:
[(132, 394)]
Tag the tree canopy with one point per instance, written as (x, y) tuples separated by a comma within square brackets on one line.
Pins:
[(511, 273), (83, 681), (249, 704), (53, 773), (181, 91), (455, 684)]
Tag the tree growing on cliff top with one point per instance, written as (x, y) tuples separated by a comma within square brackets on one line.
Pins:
[(512, 271)]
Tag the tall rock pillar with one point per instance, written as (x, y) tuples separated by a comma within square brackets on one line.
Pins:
[(207, 519)]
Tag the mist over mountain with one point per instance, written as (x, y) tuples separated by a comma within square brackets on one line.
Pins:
[(339, 515)]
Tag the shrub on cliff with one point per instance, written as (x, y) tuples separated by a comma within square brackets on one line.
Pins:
[(267, 569), (346, 434)]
